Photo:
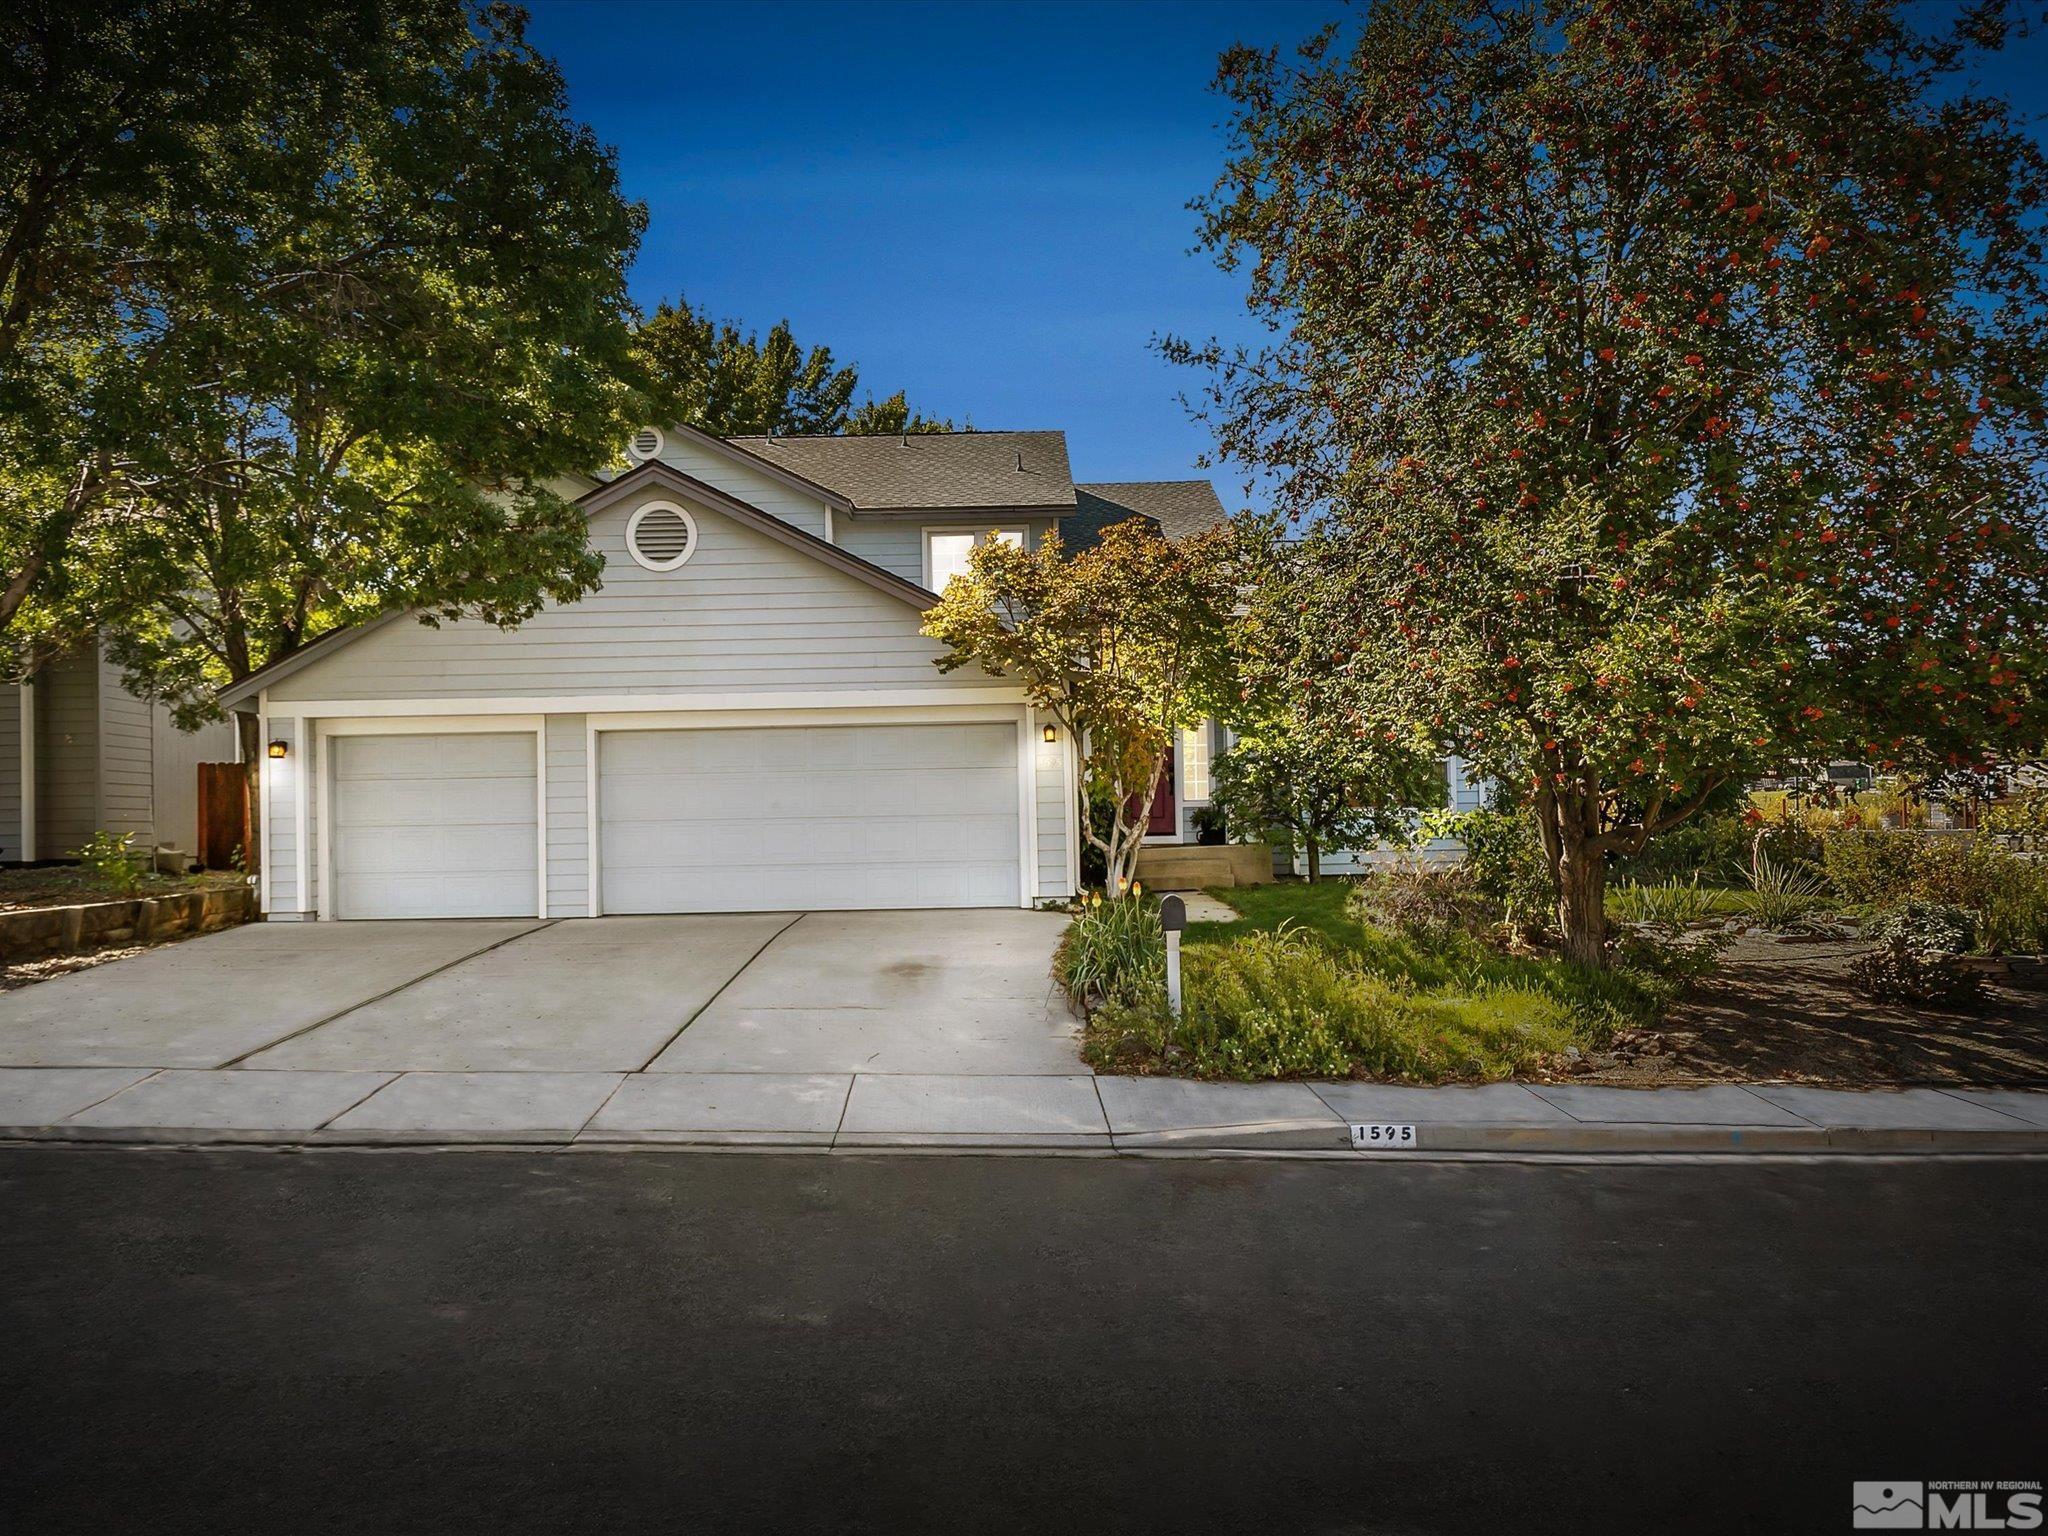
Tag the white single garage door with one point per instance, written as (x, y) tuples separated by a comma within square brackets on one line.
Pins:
[(813, 817), (435, 826)]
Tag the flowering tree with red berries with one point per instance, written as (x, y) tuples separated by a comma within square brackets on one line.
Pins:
[(1669, 379)]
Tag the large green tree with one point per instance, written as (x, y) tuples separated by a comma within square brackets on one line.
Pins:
[(426, 328), (1670, 378), (127, 134), (423, 326), (734, 383)]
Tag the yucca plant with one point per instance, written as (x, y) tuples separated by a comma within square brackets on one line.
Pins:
[(1781, 893), (1113, 949)]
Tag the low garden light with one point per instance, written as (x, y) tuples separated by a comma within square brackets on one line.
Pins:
[(279, 747)]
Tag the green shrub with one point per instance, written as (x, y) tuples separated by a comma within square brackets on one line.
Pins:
[(1505, 858), (1674, 905), (1927, 927), (2020, 819), (1112, 950), (1917, 959), (1282, 1004), (114, 860), (1895, 974), (2007, 891), (1870, 868), (1426, 901)]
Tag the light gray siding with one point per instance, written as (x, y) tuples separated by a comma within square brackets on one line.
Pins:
[(127, 759), (744, 615), (284, 777), (1049, 789), (67, 746), (568, 816), (749, 485), (896, 547)]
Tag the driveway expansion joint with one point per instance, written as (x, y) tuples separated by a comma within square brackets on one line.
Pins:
[(389, 992)]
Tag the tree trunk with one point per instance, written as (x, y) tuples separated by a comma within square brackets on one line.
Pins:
[(249, 729), (1315, 857), (1581, 898)]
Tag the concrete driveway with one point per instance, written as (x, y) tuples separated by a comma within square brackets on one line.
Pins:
[(881, 992)]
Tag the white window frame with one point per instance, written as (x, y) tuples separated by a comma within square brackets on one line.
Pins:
[(979, 534), (632, 444), (1202, 734)]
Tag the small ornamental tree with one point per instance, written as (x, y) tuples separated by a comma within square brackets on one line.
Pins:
[(1672, 378), (1121, 643), (1304, 757)]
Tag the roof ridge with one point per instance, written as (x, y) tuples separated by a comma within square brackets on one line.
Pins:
[(883, 437)]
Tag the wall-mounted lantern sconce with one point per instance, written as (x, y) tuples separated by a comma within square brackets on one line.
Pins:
[(279, 747), (1052, 733)]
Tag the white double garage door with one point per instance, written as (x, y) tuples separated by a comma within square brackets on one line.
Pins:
[(755, 819)]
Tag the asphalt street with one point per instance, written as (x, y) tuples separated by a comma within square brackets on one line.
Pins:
[(695, 1342)]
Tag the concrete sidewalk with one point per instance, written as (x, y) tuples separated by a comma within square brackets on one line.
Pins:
[(1073, 1111)]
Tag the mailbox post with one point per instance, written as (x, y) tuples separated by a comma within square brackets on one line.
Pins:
[(1173, 916)]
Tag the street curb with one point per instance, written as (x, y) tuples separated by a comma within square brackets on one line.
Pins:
[(1279, 1140)]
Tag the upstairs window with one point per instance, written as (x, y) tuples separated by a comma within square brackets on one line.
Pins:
[(946, 551)]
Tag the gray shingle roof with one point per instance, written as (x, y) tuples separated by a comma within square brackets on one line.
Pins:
[(1179, 507), (930, 470)]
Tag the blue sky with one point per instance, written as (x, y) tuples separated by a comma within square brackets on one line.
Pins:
[(980, 203)]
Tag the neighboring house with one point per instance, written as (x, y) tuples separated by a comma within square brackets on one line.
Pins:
[(80, 754), (744, 717)]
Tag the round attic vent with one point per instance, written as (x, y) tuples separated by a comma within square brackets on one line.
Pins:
[(647, 442), (661, 536)]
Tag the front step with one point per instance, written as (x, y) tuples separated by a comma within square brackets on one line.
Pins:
[(1197, 866)]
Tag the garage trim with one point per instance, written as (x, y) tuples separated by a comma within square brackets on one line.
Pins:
[(423, 725), (741, 719)]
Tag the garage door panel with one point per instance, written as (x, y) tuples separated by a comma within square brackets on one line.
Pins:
[(435, 825), (430, 803), (809, 817)]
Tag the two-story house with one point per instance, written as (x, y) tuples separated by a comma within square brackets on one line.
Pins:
[(744, 717)]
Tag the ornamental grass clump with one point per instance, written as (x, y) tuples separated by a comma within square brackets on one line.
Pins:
[(1113, 950), (1672, 906), (1781, 894)]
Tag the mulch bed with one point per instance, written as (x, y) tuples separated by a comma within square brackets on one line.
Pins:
[(1787, 1013)]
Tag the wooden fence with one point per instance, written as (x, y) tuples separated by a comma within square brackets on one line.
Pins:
[(224, 817)]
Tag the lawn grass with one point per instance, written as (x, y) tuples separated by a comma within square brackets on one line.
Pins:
[(1455, 966), (1295, 986)]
